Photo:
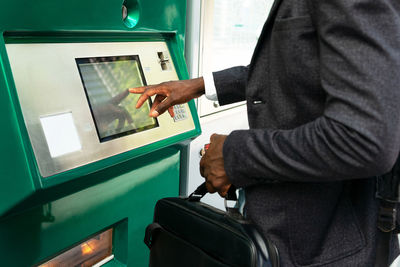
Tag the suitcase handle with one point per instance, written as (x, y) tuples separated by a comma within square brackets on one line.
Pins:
[(201, 191), (151, 230)]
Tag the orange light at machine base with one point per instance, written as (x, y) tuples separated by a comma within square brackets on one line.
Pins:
[(86, 254), (86, 249)]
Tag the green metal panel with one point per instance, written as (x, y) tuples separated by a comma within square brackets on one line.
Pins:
[(103, 15), (126, 193), (82, 21), (13, 163), (34, 177), (119, 191)]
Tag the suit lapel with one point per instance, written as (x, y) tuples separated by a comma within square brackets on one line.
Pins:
[(266, 27)]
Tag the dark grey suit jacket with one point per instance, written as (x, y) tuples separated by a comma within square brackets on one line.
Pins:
[(323, 97)]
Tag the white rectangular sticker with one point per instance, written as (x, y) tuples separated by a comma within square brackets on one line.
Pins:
[(61, 134)]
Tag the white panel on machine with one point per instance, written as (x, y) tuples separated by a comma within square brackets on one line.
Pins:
[(61, 134)]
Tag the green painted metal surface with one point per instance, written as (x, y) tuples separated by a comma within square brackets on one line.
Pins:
[(124, 196), (15, 182), (119, 191)]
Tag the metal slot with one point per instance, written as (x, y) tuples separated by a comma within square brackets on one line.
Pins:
[(164, 60)]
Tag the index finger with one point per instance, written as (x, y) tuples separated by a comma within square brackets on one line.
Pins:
[(148, 92), (137, 90)]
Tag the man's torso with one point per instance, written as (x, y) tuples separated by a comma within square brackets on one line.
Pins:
[(313, 224)]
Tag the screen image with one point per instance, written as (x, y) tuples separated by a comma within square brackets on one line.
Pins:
[(106, 81)]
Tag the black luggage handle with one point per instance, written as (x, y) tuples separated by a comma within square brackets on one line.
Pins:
[(201, 191)]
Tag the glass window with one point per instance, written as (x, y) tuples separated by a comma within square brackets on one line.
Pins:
[(231, 31)]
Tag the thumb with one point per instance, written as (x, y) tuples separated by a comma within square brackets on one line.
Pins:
[(162, 107)]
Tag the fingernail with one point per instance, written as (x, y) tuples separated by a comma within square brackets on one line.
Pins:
[(154, 113)]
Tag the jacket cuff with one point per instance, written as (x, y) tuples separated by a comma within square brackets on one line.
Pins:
[(231, 85), (235, 166)]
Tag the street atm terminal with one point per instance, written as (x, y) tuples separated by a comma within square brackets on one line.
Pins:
[(81, 168)]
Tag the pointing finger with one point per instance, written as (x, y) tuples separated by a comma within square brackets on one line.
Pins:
[(137, 90), (143, 98), (149, 91)]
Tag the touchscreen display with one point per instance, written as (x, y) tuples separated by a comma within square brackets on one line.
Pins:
[(106, 81)]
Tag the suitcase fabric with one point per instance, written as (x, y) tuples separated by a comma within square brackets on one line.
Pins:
[(187, 232)]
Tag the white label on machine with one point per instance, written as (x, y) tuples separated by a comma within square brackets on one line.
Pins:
[(61, 134)]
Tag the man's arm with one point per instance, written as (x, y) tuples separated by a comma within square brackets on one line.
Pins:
[(358, 134), (231, 84)]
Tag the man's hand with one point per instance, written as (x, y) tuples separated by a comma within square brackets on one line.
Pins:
[(169, 94), (212, 166)]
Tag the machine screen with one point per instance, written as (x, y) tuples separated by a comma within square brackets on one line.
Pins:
[(106, 81)]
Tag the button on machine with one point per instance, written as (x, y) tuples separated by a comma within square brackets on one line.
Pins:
[(180, 113)]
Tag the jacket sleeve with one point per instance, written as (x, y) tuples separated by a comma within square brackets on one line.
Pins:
[(231, 84), (358, 134)]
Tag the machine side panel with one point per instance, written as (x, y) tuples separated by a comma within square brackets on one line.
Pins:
[(14, 169)]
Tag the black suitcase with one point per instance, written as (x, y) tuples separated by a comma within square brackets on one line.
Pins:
[(187, 232)]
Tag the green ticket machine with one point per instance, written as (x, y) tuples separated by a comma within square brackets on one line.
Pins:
[(80, 167)]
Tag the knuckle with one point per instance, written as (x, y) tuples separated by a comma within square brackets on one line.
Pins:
[(215, 183), (164, 86), (210, 188), (218, 184)]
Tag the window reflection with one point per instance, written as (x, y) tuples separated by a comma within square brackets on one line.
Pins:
[(234, 31)]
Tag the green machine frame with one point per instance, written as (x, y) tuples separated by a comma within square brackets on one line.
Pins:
[(40, 218)]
